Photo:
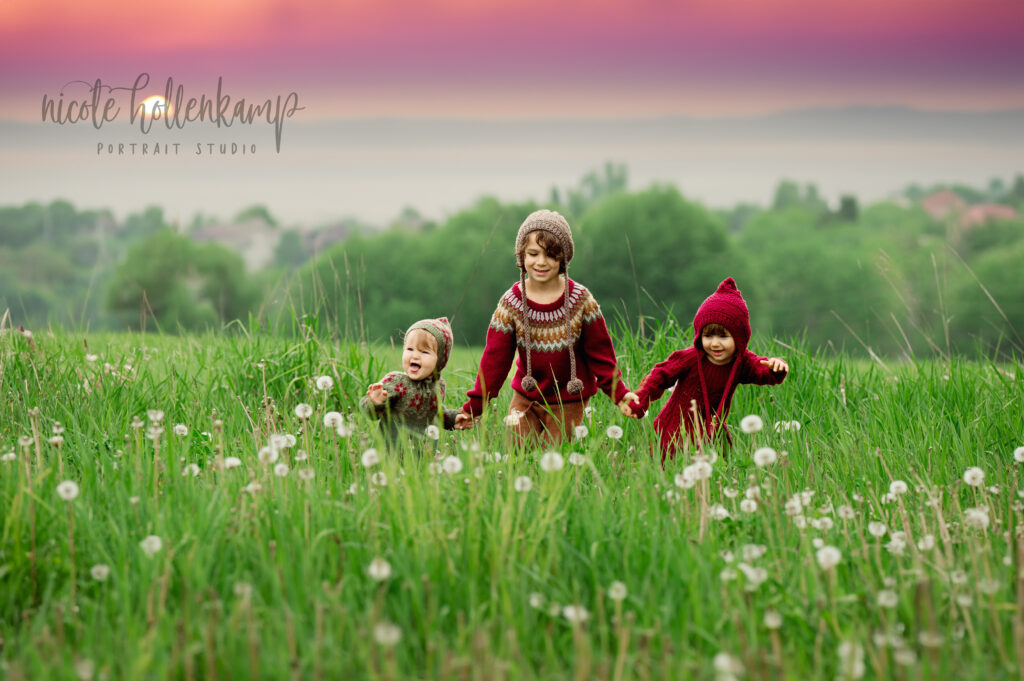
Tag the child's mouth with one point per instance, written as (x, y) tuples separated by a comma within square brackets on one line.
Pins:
[(414, 367)]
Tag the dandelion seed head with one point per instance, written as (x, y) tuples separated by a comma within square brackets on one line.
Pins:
[(751, 423), (772, 619), (190, 470), (617, 591), (232, 462), (719, 512), (513, 418), (281, 470), (877, 529), (67, 490), (333, 420), (614, 432), (828, 557), (8, 457), (926, 543), (976, 518), (324, 383), (580, 432), (57, 440), (846, 512), (765, 456), (452, 465), (898, 487), (887, 599), (100, 572), (536, 600), (306, 474), (25, 441), (379, 569), (155, 415), (577, 459), (1018, 455), (523, 484), (267, 455), (151, 545), (727, 665), (576, 614), (748, 506), (370, 458), (433, 432), (974, 476), (551, 462), (380, 479)]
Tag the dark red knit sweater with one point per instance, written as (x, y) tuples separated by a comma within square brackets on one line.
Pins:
[(550, 336), (680, 370)]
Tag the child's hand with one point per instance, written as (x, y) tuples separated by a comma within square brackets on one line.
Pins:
[(624, 403), (463, 421), (776, 364), (377, 394)]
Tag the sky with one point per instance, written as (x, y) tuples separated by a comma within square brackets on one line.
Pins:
[(482, 60)]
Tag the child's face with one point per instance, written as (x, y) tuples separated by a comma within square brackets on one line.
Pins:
[(541, 267), (420, 355), (719, 346)]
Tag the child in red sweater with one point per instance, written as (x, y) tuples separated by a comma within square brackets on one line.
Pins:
[(565, 352), (706, 375)]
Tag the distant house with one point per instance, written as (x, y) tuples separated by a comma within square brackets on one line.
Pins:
[(981, 213), (317, 241), (254, 240), (943, 204)]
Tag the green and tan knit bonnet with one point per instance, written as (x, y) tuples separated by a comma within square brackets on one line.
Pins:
[(556, 226), (441, 330)]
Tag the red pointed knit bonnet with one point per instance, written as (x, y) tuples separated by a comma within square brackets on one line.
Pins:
[(726, 307)]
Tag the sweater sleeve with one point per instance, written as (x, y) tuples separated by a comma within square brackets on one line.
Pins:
[(599, 352), (758, 374), (393, 385), (499, 351), (662, 376)]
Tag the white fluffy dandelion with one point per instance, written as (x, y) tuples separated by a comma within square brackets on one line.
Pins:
[(614, 432), (67, 490), (887, 599), (303, 410), (536, 600), (232, 462), (380, 479), (324, 383), (433, 432), (580, 432), (976, 517), (379, 569), (181, 430), (155, 415), (513, 418), (765, 456), (151, 545), (307, 474), (828, 557), (751, 423), (386, 634), (100, 572), (370, 458), (898, 487), (190, 470), (772, 619), (877, 529), (551, 462), (748, 506), (8, 457), (281, 470), (684, 480), (617, 591), (974, 476), (267, 455), (576, 614), (1018, 455), (577, 459), (523, 484), (452, 465), (333, 420)]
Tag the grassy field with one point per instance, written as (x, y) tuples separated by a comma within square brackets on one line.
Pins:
[(868, 548)]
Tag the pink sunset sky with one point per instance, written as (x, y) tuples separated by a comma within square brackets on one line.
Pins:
[(528, 58)]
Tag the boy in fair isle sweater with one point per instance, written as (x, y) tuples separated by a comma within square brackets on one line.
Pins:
[(409, 398), (706, 375), (565, 352)]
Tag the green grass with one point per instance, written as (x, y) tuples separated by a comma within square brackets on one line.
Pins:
[(274, 583)]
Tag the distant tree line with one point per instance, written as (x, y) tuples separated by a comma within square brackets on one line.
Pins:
[(886, 277)]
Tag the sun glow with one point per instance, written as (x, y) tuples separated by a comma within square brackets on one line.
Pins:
[(155, 105)]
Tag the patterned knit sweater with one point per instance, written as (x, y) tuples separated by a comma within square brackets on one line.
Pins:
[(550, 339), (680, 371), (411, 404)]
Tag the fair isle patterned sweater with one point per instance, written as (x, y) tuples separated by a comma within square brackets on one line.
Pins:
[(411, 404), (551, 336)]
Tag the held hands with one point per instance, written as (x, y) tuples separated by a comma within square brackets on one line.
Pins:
[(463, 421), (776, 364), (624, 403), (377, 394)]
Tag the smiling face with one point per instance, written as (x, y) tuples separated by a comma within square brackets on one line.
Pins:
[(719, 345), (420, 355), (540, 260)]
